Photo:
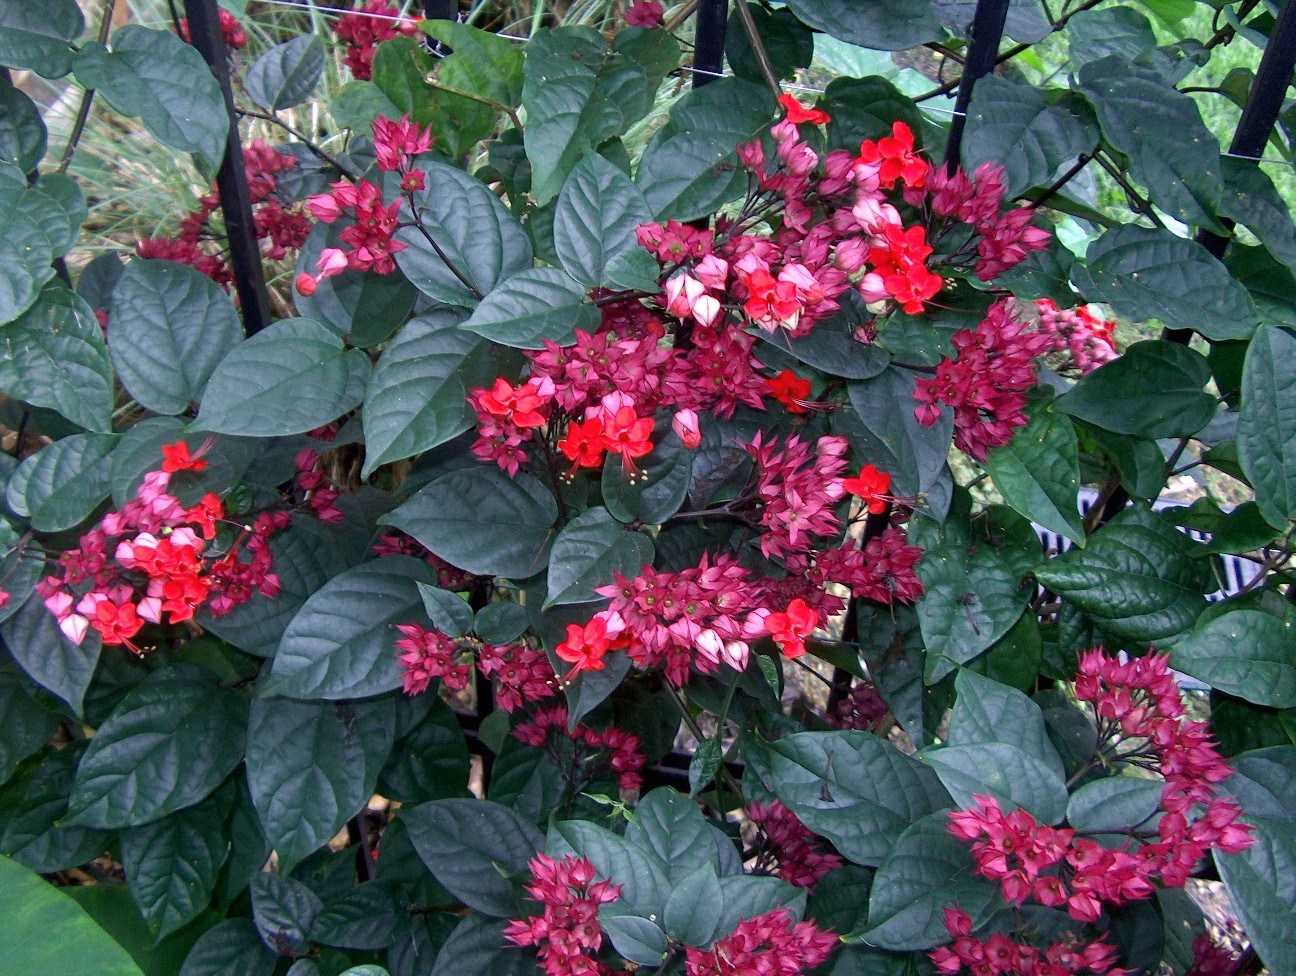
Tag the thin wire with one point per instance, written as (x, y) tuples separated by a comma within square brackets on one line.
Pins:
[(334, 12)]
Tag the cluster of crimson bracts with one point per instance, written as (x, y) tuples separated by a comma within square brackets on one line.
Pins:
[(158, 557), (787, 848), (767, 945), (567, 932), (1141, 723), (283, 227), (364, 29), (998, 955), (618, 750)]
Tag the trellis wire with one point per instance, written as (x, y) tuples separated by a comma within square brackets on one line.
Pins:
[(231, 178)]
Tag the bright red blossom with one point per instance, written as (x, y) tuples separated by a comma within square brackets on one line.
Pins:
[(798, 113), (896, 156), (176, 457), (791, 627), (872, 486), (790, 390)]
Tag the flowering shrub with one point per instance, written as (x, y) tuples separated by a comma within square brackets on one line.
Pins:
[(622, 551)]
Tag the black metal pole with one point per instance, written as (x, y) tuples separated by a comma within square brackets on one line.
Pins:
[(231, 179), (709, 41), (987, 31)]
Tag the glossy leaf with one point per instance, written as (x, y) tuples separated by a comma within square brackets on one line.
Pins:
[(340, 643), (60, 485), (1038, 473), (287, 73), (257, 390), (477, 945), (37, 834), (598, 211), (23, 139), (40, 38), (586, 554), (658, 489), (59, 666), (172, 326), (893, 440), (284, 910), (482, 521), (1266, 436), (26, 249), (167, 746), (1262, 884), (1245, 653), (1152, 274), (987, 711), (229, 947), (871, 23), (532, 306), (25, 725), (1005, 771)]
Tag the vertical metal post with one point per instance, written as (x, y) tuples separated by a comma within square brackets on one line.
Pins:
[(231, 178), (709, 40), (983, 52)]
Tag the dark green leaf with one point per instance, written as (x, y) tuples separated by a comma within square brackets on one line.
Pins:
[(927, 871), (672, 826), (704, 765), (1005, 771), (598, 211), (685, 176), (167, 746), (1154, 390), (46, 932), (477, 946), (1160, 131), (402, 68), (694, 907), (1038, 473), (500, 623), (449, 612), (472, 847), (893, 440), (1152, 274), (1262, 883), (26, 248), (832, 346), (22, 132), (987, 711), (37, 834), (1136, 578), (256, 391), (532, 306), (865, 108), (416, 398), (472, 227), (431, 762), (1245, 653), (789, 44), (171, 864), (1264, 782), (1251, 199), (587, 552), (60, 485), (284, 910), (640, 871), (482, 521), (589, 689), (639, 940), (230, 947), (340, 643), (367, 917), (1266, 437), (307, 768), (974, 596), (660, 487), (747, 896), (171, 326), (33, 637), (877, 24), (1113, 804), (154, 76), (139, 451), (1017, 126), (287, 73), (863, 802), (485, 64), (1096, 34), (25, 725)]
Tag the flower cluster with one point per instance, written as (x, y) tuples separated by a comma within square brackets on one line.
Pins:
[(798, 856), (862, 709), (281, 226), (986, 383), (157, 556), (1141, 724), (619, 750), (999, 954), (567, 932), (231, 31), (368, 234), (314, 487), (1085, 337), (426, 655), (797, 486), (364, 29), (522, 674), (767, 945), (1210, 959), (644, 13), (396, 543)]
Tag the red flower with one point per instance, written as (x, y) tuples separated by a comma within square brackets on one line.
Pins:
[(584, 445), (117, 624), (176, 457), (895, 156), (871, 485), (790, 390), (791, 627), (585, 646), (798, 113), (627, 434)]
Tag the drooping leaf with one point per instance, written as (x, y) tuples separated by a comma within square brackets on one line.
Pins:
[(1145, 274), (26, 248), (1136, 578), (482, 521), (46, 932), (40, 37), (876, 24), (156, 77), (480, 239), (23, 138), (167, 746), (1266, 435), (61, 484), (531, 306), (231, 946), (1246, 653), (473, 847), (1262, 884), (171, 326), (1251, 199), (284, 910), (402, 68), (287, 73), (340, 643)]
